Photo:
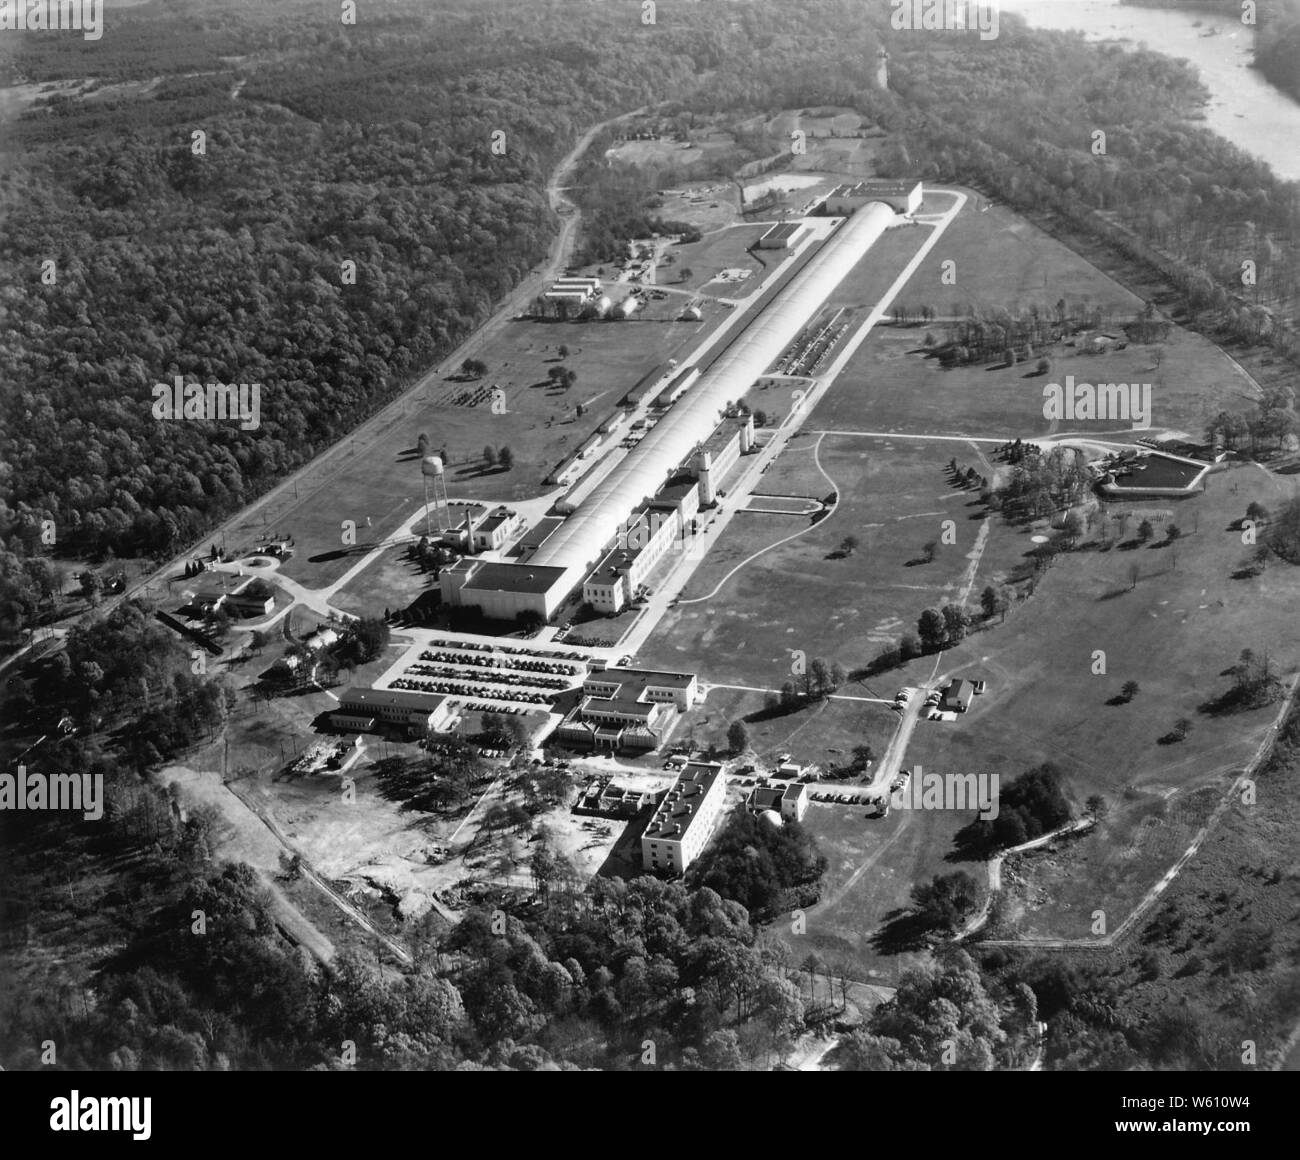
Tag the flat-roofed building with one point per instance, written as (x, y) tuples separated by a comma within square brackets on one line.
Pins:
[(604, 796), (462, 519), (649, 534), (783, 236), (647, 384), (628, 708), (901, 196), (605, 589), (237, 596), (502, 591), (614, 582), (684, 821), (718, 454), (367, 710), (677, 386), (496, 529), (536, 536), (790, 801), (682, 495)]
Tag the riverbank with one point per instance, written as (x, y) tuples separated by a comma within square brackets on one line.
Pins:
[(1244, 108)]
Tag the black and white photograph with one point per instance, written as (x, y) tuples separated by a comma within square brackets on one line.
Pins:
[(649, 536)]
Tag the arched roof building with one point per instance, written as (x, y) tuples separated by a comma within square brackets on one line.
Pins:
[(583, 537)]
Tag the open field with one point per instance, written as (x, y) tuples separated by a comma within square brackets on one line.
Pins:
[(1192, 381), (708, 205), (874, 862), (869, 279), (380, 481), (723, 250), (821, 734), (894, 498), (392, 582), (1176, 632)]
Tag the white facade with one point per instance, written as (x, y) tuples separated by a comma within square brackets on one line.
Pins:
[(498, 529), (684, 821), (582, 539), (900, 196), (614, 581)]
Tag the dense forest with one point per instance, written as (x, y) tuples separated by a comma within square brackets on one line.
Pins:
[(129, 257), (135, 252)]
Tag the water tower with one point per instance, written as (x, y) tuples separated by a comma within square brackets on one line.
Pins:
[(431, 468)]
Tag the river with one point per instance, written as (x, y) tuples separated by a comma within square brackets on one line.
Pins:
[(1244, 107)]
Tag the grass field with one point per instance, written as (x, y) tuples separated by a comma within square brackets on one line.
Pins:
[(1192, 381), (391, 582), (1176, 632), (873, 864), (723, 250), (378, 484), (823, 733), (1175, 626), (894, 498)]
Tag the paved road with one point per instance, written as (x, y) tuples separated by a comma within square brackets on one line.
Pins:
[(752, 467), (897, 749), (282, 496)]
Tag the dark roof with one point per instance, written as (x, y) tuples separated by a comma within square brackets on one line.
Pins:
[(611, 565), (674, 493), (534, 537), (513, 578), (876, 189), (781, 232), (724, 433), (639, 680), (642, 386), (695, 781), (959, 689), (396, 698)]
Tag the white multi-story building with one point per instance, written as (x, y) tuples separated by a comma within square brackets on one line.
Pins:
[(684, 821), (718, 454), (901, 196), (628, 708), (497, 529), (368, 710), (613, 583)]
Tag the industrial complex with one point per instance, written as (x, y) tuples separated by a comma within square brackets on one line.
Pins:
[(691, 435)]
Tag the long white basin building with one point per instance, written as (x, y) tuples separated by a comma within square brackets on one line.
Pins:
[(564, 559)]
